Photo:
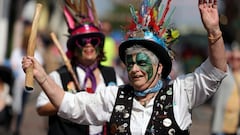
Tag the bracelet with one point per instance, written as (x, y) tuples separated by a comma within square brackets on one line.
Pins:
[(213, 39), (45, 78)]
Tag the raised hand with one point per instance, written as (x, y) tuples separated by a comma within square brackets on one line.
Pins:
[(209, 15)]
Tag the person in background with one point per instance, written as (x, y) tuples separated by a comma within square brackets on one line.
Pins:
[(51, 55), (6, 83), (85, 52), (225, 117), (110, 47), (150, 103), (111, 52), (20, 95)]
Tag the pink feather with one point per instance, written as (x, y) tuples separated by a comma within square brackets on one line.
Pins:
[(90, 14), (69, 18)]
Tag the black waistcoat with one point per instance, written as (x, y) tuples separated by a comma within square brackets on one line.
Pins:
[(162, 120), (60, 126)]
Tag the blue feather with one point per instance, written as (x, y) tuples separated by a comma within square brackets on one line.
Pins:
[(144, 6), (157, 4), (132, 11)]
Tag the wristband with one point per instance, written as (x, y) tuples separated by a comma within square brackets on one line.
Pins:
[(213, 39), (44, 80)]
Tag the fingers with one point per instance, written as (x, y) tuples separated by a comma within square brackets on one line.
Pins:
[(202, 3), (26, 62), (214, 3), (209, 3)]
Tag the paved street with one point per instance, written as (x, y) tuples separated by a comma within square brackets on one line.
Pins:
[(33, 124)]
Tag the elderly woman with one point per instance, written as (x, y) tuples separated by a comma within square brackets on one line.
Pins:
[(151, 103)]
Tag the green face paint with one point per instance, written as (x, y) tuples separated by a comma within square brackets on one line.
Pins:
[(142, 61)]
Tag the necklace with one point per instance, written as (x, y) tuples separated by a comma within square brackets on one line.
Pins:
[(144, 102)]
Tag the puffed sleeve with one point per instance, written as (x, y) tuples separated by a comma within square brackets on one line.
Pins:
[(86, 108)]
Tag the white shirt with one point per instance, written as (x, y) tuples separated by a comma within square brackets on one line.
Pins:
[(43, 99), (189, 91)]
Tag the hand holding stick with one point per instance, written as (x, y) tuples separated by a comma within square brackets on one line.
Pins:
[(29, 81), (66, 60)]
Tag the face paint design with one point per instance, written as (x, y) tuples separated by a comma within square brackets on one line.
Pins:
[(143, 61)]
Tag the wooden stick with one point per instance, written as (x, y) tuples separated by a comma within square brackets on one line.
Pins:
[(66, 60), (29, 81)]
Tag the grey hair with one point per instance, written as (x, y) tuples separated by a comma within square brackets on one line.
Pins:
[(138, 48)]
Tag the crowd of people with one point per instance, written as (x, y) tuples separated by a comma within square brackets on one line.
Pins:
[(95, 99)]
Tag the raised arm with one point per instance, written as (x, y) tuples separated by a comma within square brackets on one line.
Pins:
[(53, 91), (210, 19)]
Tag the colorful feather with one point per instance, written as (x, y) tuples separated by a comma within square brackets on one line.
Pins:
[(165, 12), (157, 4), (83, 11), (94, 13), (134, 16), (144, 7), (69, 18), (153, 17)]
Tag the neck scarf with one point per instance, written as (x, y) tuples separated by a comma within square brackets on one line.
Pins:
[(89, 74), (154, 89)]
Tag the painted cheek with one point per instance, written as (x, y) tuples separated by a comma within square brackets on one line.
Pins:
[(149, 70), (145, 64), (129, 62)]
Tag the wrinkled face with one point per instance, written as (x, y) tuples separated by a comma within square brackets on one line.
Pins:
[(140, 69), (87, 50)]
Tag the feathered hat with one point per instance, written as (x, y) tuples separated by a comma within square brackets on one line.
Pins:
[(82, 21), (150, 28)]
